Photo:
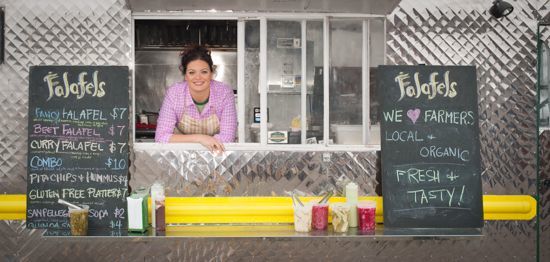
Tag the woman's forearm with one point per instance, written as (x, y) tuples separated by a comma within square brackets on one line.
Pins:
[(191, 138), (209, 142)]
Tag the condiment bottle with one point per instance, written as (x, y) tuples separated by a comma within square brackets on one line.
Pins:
[(158, 206), (351, 199)]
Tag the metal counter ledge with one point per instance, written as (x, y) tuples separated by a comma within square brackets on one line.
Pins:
[(271, 231)]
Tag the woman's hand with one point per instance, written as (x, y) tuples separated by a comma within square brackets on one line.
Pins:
[(211, 144)]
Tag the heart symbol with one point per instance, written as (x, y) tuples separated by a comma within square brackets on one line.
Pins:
[(413, 114)]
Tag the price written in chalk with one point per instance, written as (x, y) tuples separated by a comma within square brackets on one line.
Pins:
[(119, 213), (114, 146), (116, 130), (118, 112), (116, 224), (115, 164)]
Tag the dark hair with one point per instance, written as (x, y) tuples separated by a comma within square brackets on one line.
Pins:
[(195, 53)]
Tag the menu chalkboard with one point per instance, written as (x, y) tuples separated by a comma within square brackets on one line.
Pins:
[(77, 144), (431, 173)]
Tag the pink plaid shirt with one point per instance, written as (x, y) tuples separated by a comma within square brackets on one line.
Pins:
[(221, 103)]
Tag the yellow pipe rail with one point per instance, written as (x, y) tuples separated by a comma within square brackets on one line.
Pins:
[(13, 207), (277, 209)]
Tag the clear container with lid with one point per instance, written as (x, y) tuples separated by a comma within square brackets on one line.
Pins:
[(158, 206), (340, 217)]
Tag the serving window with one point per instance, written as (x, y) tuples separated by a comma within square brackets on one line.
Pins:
[(305, 80)]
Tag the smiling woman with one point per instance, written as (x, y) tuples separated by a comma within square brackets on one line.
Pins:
[(200, 109)]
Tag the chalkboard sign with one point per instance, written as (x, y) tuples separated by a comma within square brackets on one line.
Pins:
[(77, 144), (431, 174)]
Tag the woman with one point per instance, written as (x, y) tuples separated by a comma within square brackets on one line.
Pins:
[(200, 109)]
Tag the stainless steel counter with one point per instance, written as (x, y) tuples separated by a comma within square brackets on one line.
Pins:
[(275, 232)]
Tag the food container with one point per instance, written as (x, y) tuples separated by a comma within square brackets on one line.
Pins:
[(340, 217), (319, 220), (302, 218), (158, 206), (78, 220), (366, 215)]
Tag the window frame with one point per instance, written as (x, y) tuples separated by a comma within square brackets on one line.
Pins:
[(241, 18)]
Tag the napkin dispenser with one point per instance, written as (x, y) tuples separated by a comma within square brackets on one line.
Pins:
[(138, 211)]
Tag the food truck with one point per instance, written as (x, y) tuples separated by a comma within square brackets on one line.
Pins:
[(365, 130)]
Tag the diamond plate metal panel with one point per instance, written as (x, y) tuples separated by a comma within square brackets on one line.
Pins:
[(253, 173), (51, 32), (462, 33)]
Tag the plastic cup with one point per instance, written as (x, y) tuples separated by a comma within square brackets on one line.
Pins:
[(319, 220), (302, 218), (366, 215), (340, 217), (78, 220)]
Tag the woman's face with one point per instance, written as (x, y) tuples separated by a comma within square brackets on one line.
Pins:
[(198, 75)]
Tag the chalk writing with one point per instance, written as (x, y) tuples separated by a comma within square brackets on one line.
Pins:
[(116, 224), (45, 162), (423, 196), (445, 152), (113, 147), (99, 214), (119, 212), (452, 177), (449, 117), (116, 164), (393, 116), (416, 176), (69, 130), (48, 224), (56, 88), (118, 112), (106, 178), (106, 193), (46, 212), (403, 136), (430, 147), (78, 122), (43, 194), (413, 114), (45, 130), (446, 88), (114, 130), (88, 146), (84, 114), (55, 178), (70, 177), (47, 114)]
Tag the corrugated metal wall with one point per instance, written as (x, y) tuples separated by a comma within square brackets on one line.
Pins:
[(432, 32)]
